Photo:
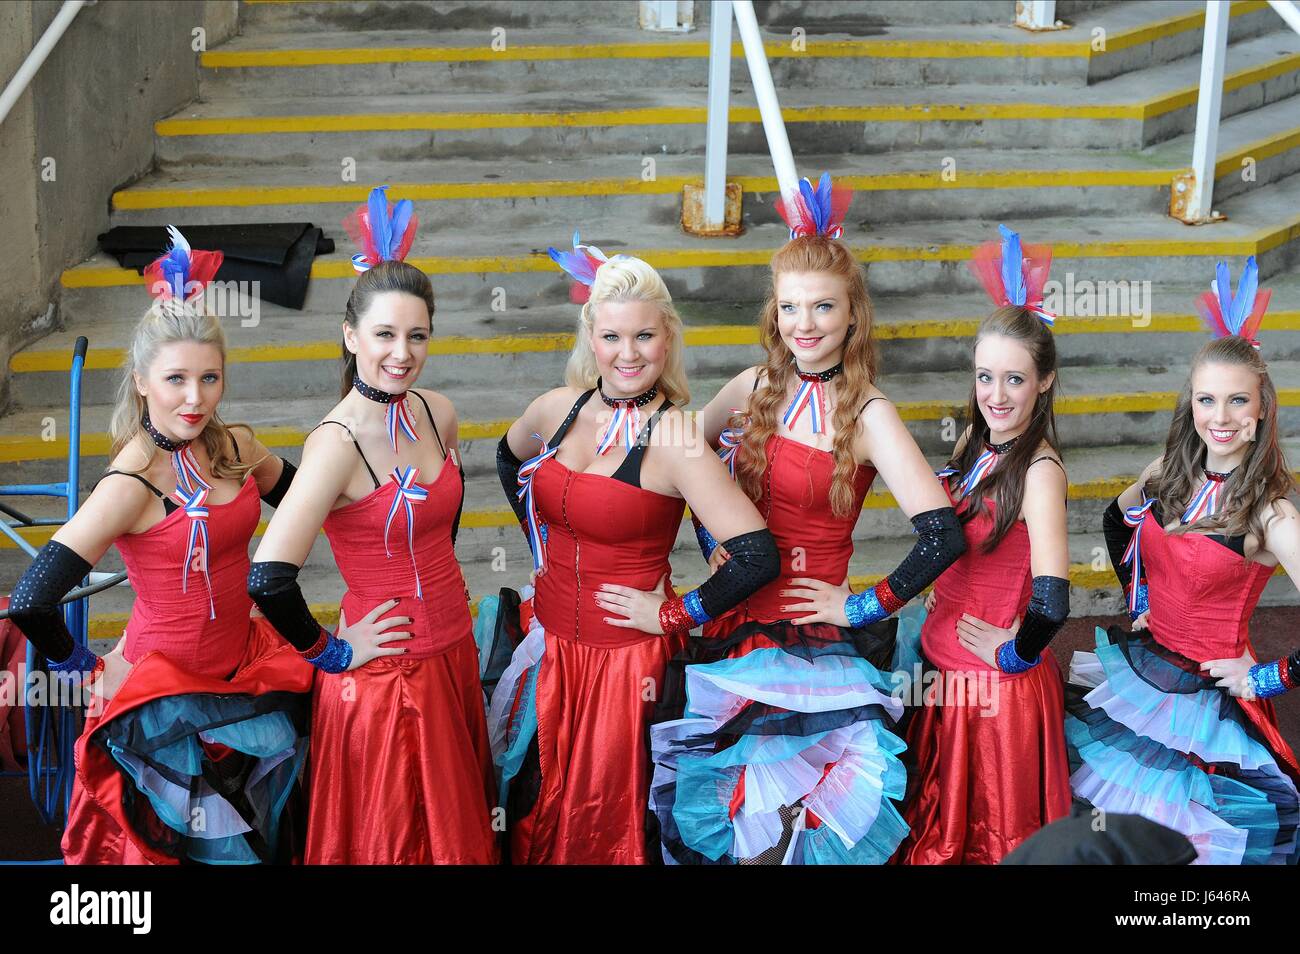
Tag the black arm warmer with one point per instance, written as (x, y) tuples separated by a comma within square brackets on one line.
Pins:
[(276, 493), (508, 472), (1117, 534), (274, 588), (755, 562), (1048, 607), (940, 542), (1293, 666), (34, 605)]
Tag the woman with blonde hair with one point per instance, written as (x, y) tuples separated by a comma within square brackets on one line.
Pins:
[(785, 753), (601, 500), (1158, 719), (197, 750)]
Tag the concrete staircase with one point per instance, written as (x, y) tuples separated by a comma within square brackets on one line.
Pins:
[(506, 151)]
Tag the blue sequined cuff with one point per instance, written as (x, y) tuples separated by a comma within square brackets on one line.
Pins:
[(81, 660), (695, 607), (707, 543), (1009, 660), (336, 657), (1142, 604), (863, 608), (1266, 680)]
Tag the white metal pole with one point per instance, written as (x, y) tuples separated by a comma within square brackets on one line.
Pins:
[(38, 55), (1287, 10), (715, 137), (1036, 14), (668, 14), (769, 109), (1208, 105)]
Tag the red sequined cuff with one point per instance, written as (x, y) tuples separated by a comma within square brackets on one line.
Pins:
[(890, 603), (96, 670), (1284, 673), (317, 647), (673, 617)]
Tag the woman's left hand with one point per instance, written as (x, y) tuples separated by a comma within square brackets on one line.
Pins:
[(639, 608), (1233, 674), (983, 639), (824, 602)]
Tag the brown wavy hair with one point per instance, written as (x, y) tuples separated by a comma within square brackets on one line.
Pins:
[(802, 255), (1006, 482), (1260, 481)]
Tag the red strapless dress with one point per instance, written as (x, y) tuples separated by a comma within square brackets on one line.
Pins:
[(987, 752), (589, 688), (231, 680), (401, 768), (1152, 735)]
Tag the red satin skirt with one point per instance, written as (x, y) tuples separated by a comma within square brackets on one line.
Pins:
[(979, 785), (13, 725), (401, 770), (594, 707), (98, 832)]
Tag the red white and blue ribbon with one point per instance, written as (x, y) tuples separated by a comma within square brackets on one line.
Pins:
[(812, 396), (400, 418), (408, 493), (622, 428), (1206, 501), (536, 529), (1135, 517), (729, 446), (983, 464), (192, 493)]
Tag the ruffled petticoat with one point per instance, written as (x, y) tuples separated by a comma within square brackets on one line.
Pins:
[(784, 752), (182, 767), (1151, 735)]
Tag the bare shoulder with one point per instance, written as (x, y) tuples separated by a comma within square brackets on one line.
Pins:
[(877, 410), (1151, 470), (549, 409), (329, 444), (1046, 473), (444, 412), (1279, 513)]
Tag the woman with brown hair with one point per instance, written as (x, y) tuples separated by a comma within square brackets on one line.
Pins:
[(197, 753), (785, 753), (1194, 541), (986, 753), (401, 769)]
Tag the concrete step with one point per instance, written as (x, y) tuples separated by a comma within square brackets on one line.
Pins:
[(434, 16), (903, 186), (578, 56), (1129, 111), (295, 354), (917, 258)]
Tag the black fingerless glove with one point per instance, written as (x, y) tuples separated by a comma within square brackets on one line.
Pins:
[(755, 562), (34, 605)]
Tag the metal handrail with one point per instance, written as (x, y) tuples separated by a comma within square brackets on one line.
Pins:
[(44, 46)]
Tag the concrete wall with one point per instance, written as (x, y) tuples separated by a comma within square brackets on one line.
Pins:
[(83, 128)]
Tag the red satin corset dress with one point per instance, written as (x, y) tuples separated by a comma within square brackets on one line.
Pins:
[(402, 769), (987, 755), (597, 684), (179, 643)]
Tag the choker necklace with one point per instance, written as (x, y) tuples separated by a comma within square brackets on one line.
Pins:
[(641, 400), (822, 376), (398, 419), (625, 425), (1215, 475), (160, 439), (1003, 447), (381, 397)]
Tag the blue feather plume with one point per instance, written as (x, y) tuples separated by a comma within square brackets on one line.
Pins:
[(1013, 279)]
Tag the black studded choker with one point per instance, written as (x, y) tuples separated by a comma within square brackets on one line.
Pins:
[(159, 438), (1215, 475), (376, 395), (819, 375), (1003, 447), (641, 400)]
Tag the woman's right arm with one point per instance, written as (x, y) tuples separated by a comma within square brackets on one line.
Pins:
[(715, 415), (328, 460), (521, 442), (1118, 534), (112, 509)]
